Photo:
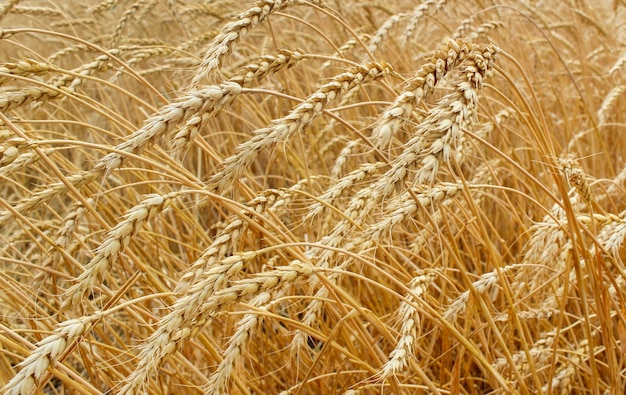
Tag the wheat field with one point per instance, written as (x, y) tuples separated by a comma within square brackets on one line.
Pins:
[(298, 197)]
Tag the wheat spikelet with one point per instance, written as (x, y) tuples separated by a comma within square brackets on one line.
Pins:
[(23, 68), (609, 101)]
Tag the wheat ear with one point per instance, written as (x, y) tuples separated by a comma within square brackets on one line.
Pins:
[(236, 31), (248, 75), (23, 68), (418, 13), (299, 118), (449, 54), (434, 140), (210, 98), (176, 328), (410, 327), (116, 242), (46, 353)]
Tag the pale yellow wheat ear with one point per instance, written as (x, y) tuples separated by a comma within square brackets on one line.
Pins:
[(297, 120), (236, 31)]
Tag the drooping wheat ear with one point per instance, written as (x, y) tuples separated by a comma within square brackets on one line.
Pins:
[(122, 22), (7, 7), (23, 68), (236, 31), (342, 187), (434, 140), (46, 353), (540, 352), (418, 13), (248, 75), (561, 382), (37, 11), (218, 382), (606, 109), (612, 236), (576, 177), (543, 248), (449, 54), (618, 64), (214, 10), (299, 118), (64, 236), (266, 65), (205, 269), (103, 6), (70, 82), (404, 206), (116, 242), (11, 100), (401, 209), (192, 310), (15, 99), (383, 32), (485, 285), (342, 158), (344, 49), (483, 176), (210, 98), (483, 30), (22, 161), (410, 327), (140, 53)]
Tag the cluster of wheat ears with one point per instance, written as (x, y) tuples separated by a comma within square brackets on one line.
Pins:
[(312, 197)]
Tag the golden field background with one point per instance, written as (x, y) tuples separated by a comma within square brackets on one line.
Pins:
[(312, 197)]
